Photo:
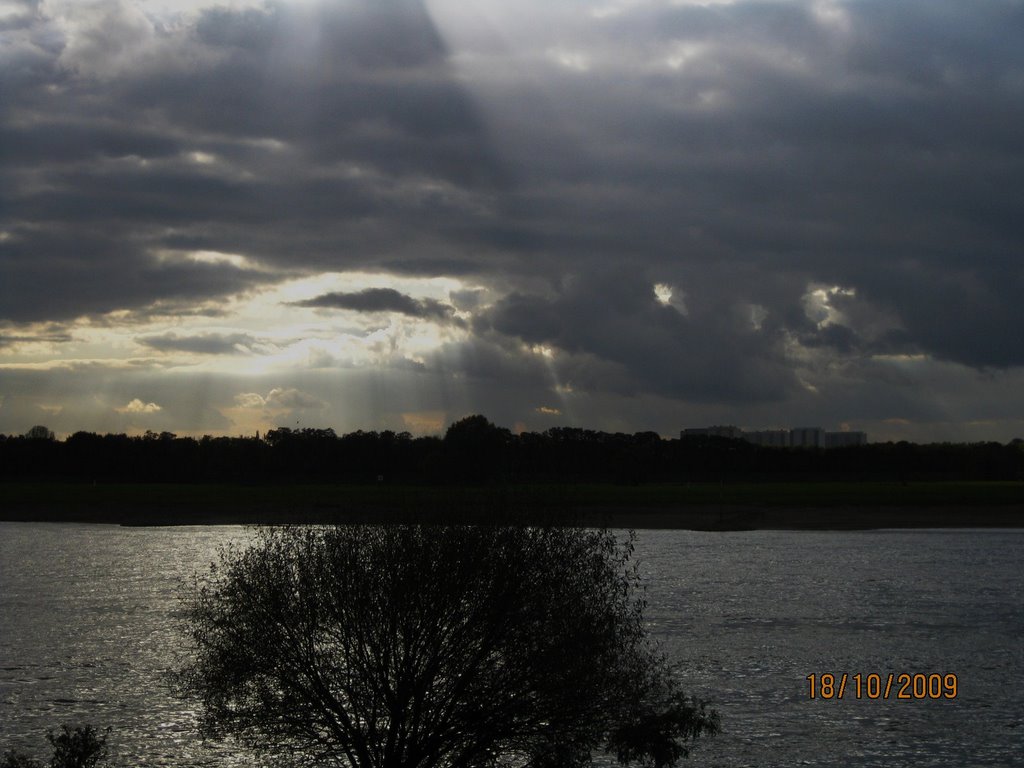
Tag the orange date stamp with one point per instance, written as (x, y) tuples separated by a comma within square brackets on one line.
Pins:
[(901, 686)]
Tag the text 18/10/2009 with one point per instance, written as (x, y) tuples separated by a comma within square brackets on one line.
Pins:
[(903, 686)]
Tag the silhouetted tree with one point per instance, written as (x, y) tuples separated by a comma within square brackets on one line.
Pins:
[(39, 432), (456, 646), (476, 449)]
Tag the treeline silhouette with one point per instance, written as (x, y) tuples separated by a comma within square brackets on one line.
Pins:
[(473, 450)]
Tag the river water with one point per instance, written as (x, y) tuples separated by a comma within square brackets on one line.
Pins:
[(89, 624)]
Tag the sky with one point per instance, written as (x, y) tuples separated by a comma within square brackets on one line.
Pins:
[(218, 218)]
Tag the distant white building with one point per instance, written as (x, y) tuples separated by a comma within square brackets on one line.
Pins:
[(717, 431), (807, 437), (798, 437), (769, 438)]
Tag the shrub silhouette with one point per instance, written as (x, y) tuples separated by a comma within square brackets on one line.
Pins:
[(81, 747)]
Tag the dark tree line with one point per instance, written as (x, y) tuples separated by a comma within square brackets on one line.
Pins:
[(474, 450)]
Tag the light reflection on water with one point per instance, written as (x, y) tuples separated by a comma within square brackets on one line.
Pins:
[(90, 616), (88, 625)]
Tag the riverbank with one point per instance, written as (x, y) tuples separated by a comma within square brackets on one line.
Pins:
[(740, 506), (682, 518)]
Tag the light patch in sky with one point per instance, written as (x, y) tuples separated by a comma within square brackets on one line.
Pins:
[(905, 359), (663, 293), (758, 315), (137, 406), (572, 60), (236, 260), (831, 15), (701, 3), (683, 53), (424, 422), (254, 412), (256, 333), (809, 386), (172, 8), (202, 158), (102, 39), (318, 337), (10, 9), (818, 304), (250, 400), (670, 296)]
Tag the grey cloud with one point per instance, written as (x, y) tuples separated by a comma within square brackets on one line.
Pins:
[(106, 37), (203, 344), (365, 35), (532, 318), (250, 29), (17, 13), (968, 315), (431, 266), (471, 298), (289, 397), (840, 338), (7, 340), (379, 300)]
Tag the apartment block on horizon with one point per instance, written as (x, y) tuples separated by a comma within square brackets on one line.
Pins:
[(797, 437)]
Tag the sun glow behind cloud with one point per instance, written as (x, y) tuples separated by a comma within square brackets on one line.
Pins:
[(282, 333), (261, 335)]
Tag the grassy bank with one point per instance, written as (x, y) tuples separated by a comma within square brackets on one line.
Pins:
[(724, 506)]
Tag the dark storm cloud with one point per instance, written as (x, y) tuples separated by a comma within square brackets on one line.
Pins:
[(612, 318), (295, 135), (203, 344), (379, 300), (884, 160), (54, 275), (745, 154), (360, 82), (65, 142)]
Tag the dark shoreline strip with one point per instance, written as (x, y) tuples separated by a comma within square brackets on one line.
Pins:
[(698, 518)]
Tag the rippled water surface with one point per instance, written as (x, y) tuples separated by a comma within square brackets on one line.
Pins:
[(88, 625)]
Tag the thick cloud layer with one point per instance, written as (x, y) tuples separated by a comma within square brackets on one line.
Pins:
[(378, 300), (748, 211)]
